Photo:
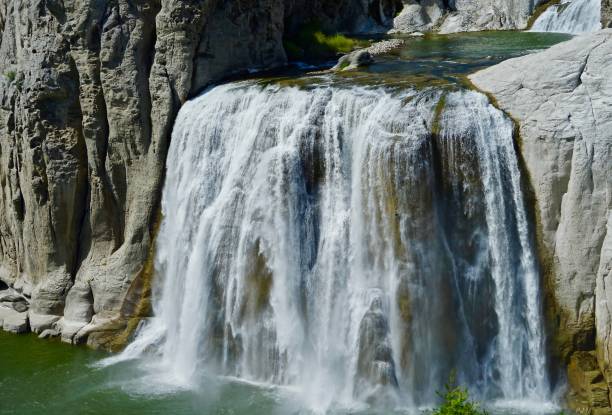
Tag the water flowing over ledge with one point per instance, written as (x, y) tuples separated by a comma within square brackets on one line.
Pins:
[(573, 16), (357, 245)]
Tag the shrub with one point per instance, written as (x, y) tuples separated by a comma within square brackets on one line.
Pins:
[(336, 43), (456, 401)]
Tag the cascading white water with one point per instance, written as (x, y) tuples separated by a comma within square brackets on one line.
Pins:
[(356, 244), (573, 16)]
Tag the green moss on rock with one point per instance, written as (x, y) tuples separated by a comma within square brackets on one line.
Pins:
[(310, 42)]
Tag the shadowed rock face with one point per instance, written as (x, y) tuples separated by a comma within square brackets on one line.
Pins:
[(606, 13), (562, 100), (89, 91)]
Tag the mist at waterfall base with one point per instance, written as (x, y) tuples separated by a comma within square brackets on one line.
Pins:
[(348, 247)]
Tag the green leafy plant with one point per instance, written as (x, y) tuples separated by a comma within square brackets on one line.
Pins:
[(456, 401), (10, 75), (336, 43)]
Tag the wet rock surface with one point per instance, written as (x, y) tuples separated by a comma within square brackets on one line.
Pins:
[(354, 60)]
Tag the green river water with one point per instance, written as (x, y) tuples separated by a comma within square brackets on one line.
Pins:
[(48, 377)]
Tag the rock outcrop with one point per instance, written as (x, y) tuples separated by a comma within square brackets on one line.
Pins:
[(463, 15), (419, 15), (88, 94), (606, 13), (562, 101), (376, 378), (474, 15)]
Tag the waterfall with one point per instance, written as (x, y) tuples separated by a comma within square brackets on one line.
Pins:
[(573, 16), (357, 244)]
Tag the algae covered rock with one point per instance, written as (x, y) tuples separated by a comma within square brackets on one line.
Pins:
[(354, 60)]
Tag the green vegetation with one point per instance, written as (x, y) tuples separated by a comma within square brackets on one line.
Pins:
[(140, 291), (336, 43), (10, 75), (344, 64), (312, 43), (456, 401), (435, 128)]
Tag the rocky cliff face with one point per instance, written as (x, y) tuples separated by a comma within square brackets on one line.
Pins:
[(562, 100), (88, 93), (606, 13), (450, 16)]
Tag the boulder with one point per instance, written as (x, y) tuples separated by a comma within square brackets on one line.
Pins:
[(48, 333), (42, 322), (354, 60), (14, 321), (20, 306)]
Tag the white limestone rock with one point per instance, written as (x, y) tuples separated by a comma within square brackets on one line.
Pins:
[(476, 15), (42, 322), (14, 321), (562, 100), (418, 16)]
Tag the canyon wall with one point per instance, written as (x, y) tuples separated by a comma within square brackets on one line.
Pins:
[(562, 100), (89, 91)]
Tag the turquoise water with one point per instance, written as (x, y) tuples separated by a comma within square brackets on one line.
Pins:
[(48, 377), (449, 56), (436, 60)]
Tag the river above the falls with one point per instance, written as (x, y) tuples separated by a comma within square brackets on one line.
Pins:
[(47, 377), (431, 60)]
